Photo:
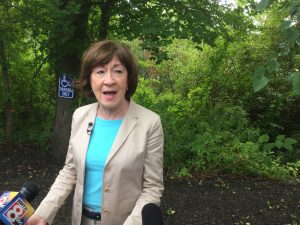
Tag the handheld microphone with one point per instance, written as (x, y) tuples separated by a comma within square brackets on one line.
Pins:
[(14, 206), (151, 215), (89, 128)]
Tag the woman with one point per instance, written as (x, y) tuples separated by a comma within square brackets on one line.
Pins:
[(115, 155)]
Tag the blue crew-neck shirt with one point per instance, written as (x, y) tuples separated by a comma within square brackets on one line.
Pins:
[(102, 138)]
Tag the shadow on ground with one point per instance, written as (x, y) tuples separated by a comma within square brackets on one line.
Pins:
[(218, 200)]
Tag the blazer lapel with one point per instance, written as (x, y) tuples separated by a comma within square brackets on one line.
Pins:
[(89, 117), (127, 126)]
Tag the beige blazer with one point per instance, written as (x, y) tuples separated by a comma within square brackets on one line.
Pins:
[(133, 174)]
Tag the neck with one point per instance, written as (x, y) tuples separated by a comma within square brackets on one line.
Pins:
[(113, 114)]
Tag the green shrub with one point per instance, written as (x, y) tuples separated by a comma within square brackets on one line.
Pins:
[(201, 96)]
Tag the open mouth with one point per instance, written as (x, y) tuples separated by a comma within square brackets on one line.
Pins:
[(109, 92), (109, 95)]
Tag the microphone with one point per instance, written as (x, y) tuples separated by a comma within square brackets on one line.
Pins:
[(89, 128), (151, 215), (14, 206)]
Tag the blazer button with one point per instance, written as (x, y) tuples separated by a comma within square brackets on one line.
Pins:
[(106, 189), (105, 210)]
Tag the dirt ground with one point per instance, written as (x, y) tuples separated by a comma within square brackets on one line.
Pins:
[(219, 200)]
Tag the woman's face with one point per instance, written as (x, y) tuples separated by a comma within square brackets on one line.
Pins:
[(109, 84)]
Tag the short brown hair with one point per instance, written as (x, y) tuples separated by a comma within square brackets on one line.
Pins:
[(99, 54)]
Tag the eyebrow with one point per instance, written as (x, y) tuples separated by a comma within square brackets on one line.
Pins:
[(119, 64), (115, 65)]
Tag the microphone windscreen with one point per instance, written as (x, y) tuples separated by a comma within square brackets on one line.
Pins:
[(151, 215), (29, 190)]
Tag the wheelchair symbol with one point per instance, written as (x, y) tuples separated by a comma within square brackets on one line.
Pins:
[(65, 83)]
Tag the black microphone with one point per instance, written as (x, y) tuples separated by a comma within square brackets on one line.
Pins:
[(89, 128), (151, 215), (14, 206)]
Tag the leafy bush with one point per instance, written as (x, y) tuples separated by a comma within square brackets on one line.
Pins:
[(259, 158), (203, 111)]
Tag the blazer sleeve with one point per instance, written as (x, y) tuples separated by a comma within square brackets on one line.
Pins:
[(153, 174), (63, 185)]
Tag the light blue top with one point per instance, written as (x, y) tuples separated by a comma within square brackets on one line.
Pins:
[(102, 138)]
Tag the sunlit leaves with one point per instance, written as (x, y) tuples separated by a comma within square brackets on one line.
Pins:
[(262, 5), (260, 83), (285, 24), (284, 49), (273, 65), (288, 43), (291, 34), (157, 22), (260, 80), (295, 78), (263, 138), (295, 8)]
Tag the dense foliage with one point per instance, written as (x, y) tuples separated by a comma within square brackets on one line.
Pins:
[(212, 118), (226, 87)]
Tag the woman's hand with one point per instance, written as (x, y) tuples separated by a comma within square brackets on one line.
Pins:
[(36, 220)]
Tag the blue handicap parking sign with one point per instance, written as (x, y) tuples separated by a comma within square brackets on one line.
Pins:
[(65, 89)]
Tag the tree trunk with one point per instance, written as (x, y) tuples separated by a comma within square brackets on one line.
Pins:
[(8, 109), (67, 61), (105, 8), (61, 131)]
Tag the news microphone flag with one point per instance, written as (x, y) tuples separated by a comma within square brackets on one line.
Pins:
[(15, 210), (14, 206)]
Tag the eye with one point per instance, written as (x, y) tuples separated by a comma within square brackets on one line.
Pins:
[(118, 72), (100, 72)]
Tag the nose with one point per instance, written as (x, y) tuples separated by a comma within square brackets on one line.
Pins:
[(109, 78)]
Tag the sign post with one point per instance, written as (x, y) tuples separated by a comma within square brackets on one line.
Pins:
[(65, 89)]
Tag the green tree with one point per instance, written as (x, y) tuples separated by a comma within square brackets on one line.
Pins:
[(67, 39), (154, 22), (287, 47), (23, 64)]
